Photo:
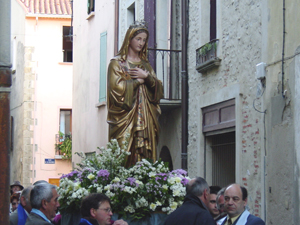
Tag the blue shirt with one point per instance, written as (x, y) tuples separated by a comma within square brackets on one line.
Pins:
[(38, 212)]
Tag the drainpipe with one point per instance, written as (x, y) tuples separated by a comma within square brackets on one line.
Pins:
[(5, 83), (116, 27), (184, 84)]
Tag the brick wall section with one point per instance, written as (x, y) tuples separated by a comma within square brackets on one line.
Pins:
[(240, 50)]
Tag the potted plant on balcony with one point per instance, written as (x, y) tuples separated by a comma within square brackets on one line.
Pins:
[(65, 146)]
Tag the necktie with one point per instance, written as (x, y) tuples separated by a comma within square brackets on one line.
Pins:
[(229, 222)]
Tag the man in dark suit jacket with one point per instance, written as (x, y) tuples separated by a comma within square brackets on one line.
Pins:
[(19, 216), (235, 205), (194, 209), (44, 202)]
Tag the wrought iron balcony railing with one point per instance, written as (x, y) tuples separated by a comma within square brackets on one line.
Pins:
[(206, 56), (57, 142), (166, 64)]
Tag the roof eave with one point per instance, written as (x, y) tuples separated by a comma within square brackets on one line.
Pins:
[(34, 15)]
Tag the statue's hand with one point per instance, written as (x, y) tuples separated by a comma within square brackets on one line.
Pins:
[(141, 80), (138, 73)]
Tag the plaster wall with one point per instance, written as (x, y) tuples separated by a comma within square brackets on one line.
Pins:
[(90, 129), (41, 86), (283, 106), (17, 90), (51, 80), (170, 135), (239, 33)]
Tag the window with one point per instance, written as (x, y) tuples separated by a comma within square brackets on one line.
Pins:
[(213, 19), (65, 121), (103, 67), (90, 6), (130, 14), (67, 44)]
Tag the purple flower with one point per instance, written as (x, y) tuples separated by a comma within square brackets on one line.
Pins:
[(157, 178), (184, 181), (103, 173), (180, 172), (131, 180), (70, 175)]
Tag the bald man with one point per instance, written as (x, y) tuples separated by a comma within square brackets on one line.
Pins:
[(235, 205)]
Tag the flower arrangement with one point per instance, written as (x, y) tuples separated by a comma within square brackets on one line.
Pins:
[(138, 191)]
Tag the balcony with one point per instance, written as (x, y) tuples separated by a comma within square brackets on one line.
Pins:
[(63, 146), (206, 56), (58, 154), (167, 66)]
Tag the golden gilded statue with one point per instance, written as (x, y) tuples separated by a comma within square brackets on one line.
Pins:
[(133, 94)]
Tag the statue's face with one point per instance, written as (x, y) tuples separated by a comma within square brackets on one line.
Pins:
[(138, 42)]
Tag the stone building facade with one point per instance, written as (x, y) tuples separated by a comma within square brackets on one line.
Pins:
[(243, 106), (243, 109), (41, 89)]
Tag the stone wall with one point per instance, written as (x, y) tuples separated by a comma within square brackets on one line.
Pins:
[(239, 33)]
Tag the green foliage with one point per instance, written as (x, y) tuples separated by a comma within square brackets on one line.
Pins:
[(65, 146), (207, 47)]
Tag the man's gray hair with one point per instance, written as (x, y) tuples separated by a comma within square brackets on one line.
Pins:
[(26, 194), (220, 193), (197, 187), (41, 192)]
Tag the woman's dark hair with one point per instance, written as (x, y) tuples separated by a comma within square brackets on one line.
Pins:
[(92, 201)]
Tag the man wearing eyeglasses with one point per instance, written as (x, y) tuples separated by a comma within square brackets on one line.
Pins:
[(235, 205), (96, 210)]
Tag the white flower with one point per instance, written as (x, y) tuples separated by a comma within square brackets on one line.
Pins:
[(173, 205), (177, 179), (91, 176), (139, 182), (165, 187), (107, 187), (152, 174), (176, 192), (129, 208), (152, 206), (116, 180), (76, 186)]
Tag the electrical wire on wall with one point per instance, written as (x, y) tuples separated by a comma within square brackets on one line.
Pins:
[(283, 46), (264, 119)]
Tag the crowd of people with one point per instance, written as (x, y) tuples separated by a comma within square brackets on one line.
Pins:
[(203, 205), (38, 205)]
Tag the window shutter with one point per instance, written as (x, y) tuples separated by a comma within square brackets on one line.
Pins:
[(103, 66)]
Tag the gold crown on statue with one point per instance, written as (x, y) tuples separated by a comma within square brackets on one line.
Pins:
[(139, 24)]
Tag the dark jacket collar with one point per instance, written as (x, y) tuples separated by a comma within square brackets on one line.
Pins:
[(195, 200)]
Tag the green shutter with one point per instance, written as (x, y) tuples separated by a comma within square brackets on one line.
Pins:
[(103, 66)]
